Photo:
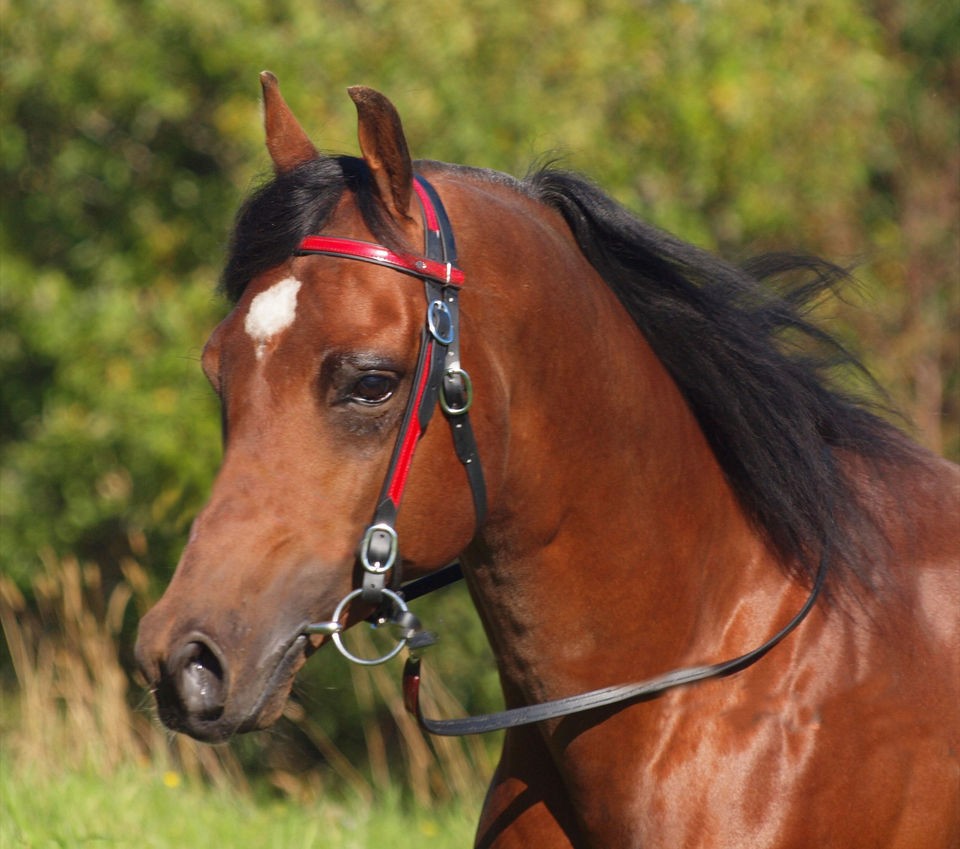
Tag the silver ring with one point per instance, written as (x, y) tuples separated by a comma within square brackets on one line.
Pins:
[(337, 637)]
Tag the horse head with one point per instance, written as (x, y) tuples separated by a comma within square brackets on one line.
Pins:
[(664, 484), (314, 367)]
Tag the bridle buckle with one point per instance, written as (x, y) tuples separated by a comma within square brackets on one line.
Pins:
[(378, 548), (456, 392), (378, 551)]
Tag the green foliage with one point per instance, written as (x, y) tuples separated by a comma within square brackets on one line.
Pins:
[(131, 132), (107, 401), (124, 157)]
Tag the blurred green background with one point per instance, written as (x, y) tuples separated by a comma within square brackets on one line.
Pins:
[(131, 130)]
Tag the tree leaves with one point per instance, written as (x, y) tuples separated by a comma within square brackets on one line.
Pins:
[(131, 132)]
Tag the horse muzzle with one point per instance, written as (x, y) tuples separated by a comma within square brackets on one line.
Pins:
[(194, 683)]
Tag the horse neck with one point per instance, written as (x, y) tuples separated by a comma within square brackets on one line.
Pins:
[(613, 519)]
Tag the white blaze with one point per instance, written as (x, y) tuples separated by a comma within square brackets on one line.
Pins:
[(271, 312)]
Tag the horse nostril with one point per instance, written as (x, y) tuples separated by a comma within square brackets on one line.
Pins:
[(200, 680)]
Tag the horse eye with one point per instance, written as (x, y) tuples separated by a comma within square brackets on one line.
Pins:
[(373, 388)]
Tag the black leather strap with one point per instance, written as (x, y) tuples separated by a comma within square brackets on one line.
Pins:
[(607, 696), (438, 374), (444, 577)]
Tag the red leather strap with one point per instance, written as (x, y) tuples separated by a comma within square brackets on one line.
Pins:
[(418, 266), (397, 477), (429, 212)]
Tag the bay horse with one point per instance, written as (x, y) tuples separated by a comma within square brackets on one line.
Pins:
[(646, 469)]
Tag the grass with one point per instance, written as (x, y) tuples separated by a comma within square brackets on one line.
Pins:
[(150, 809), (82, 764)]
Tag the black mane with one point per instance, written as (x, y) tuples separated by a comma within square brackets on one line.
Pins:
[(752, 368), (754, 371)]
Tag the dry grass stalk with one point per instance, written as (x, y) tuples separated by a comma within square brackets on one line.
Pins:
[(77, 709), (74, 710)]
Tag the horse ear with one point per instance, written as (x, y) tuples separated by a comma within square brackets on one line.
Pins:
[(384, 149), (286, 141)]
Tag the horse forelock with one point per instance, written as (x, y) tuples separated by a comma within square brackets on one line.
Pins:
[(275, 218), (272, 222)]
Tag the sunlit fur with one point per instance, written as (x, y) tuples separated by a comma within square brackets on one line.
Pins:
[(752, 367), (666, 461)]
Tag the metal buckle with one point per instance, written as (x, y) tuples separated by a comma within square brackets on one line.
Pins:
[(381, 562), (334, 629), (440, 322), (456, 409)]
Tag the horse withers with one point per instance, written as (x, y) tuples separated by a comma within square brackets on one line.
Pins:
[(636, 472)]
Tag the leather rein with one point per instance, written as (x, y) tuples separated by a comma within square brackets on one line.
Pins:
[(439, 379)]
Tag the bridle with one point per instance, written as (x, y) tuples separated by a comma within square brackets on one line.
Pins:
[(439, 378)]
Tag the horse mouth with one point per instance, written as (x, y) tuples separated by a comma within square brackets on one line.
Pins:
[(274, 693)]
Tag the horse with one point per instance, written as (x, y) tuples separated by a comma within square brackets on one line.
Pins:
[(646, 466)]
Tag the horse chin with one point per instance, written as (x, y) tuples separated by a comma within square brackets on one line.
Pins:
[(276, 690)]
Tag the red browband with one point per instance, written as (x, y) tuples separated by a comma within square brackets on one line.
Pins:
[(418, 266)]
